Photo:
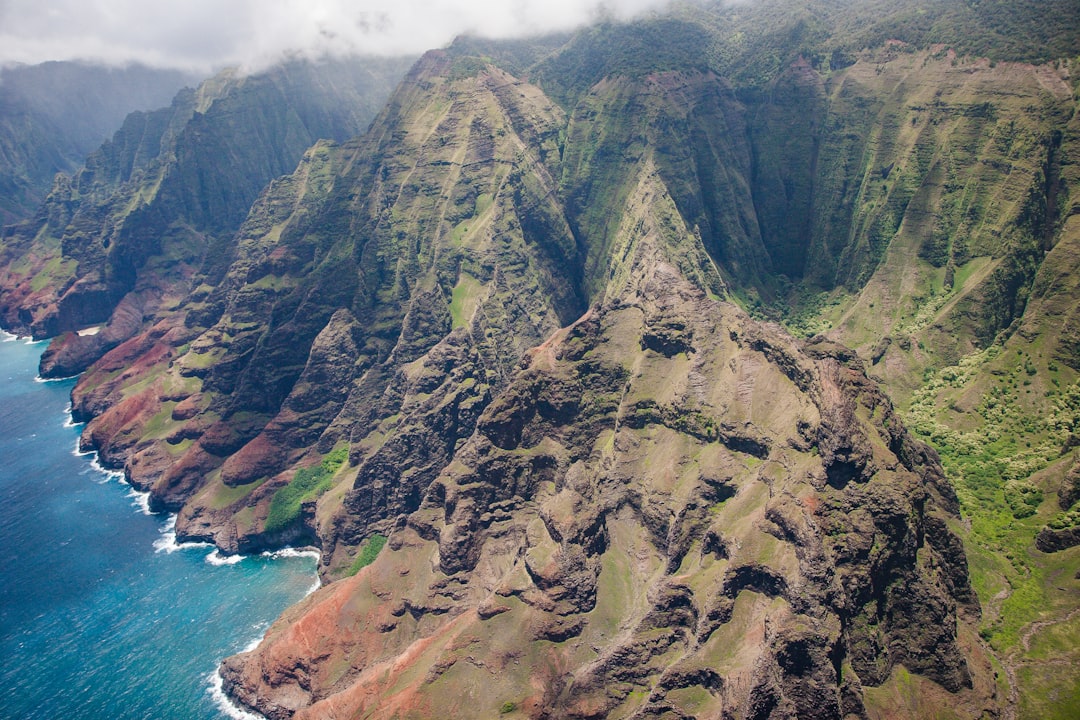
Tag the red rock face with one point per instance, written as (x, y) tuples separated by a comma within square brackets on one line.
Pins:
[(116, 431)]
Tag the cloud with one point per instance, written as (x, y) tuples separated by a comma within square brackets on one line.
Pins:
[(202, 35)]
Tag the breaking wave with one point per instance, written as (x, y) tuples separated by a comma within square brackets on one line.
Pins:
[(167, 542), (216, 558), (224, 703)]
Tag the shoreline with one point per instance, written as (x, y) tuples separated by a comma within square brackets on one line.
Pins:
[(167, 543)]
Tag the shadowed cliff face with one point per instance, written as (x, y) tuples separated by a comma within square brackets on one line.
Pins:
[(160, 201), (53, 115), (498, 329)]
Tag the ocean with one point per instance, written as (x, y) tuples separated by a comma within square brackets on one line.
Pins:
[(102, 614)]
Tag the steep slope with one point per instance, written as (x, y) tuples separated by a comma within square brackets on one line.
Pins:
[(379, 266), (379, 303), (1003, 412), (661, 481), (53, 115), (156, 204), (955, 203)]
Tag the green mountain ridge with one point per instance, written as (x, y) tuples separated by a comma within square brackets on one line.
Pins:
[(605, 490), (55, 114), (155, 204)]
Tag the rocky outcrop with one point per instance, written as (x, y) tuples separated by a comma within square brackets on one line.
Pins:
[(1063, 532), (74, 352), (1054, 540), (632, 553)]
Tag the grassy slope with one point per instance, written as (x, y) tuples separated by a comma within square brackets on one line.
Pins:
[(998, 416)]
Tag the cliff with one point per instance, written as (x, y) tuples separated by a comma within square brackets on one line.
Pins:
[(671, 510), (537, 330), (53, 115), (155, 205)]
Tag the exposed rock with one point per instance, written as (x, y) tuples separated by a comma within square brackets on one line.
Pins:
[(583, 521), (1050, 540), (1069, 492)]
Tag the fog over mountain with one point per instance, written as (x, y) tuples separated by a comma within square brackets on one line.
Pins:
[(201, 35)]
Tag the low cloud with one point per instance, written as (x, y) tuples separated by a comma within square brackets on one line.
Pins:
[(202, 35)]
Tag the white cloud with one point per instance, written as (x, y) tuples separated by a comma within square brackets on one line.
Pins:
[(206, 34)]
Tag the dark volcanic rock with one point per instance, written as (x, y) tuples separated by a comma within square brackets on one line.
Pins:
[(1050, 540), (577, 501)]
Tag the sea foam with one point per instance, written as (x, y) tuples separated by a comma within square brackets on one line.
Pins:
[(140, 500), (39, 379), (216, 558), (224, 703), (97, 467), (289, 552), (217, 692), (99, 474), (260, 628), (167, 542), (231, 602)]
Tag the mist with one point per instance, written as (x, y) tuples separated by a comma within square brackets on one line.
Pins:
[(204, 35)]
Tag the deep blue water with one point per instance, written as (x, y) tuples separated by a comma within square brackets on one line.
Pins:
[(101, 615)]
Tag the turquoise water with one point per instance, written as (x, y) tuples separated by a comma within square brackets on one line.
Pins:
[(101, 614)]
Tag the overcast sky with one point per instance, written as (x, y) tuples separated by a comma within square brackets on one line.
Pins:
[(207, 34)]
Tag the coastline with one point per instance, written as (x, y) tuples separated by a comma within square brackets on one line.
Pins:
[(168, 544), (165, 543)]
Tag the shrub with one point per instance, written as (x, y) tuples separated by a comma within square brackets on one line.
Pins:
[(1066, 520), (306, 484), (368, 552), (1023, 498)]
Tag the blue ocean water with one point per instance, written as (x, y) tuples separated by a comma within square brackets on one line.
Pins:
[(101, 614)]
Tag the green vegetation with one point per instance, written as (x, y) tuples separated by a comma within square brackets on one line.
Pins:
[(467, 67), (618, 49), (307, 484), (1054, 691), (810, 315), (1015, 30), (1065, 520), (55, 271), (160, 423), (369, 550), (226, 495), (464, 299), (1023, 498), (993, 465)]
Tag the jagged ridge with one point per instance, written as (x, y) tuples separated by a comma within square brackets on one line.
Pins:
[(628, 511)]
